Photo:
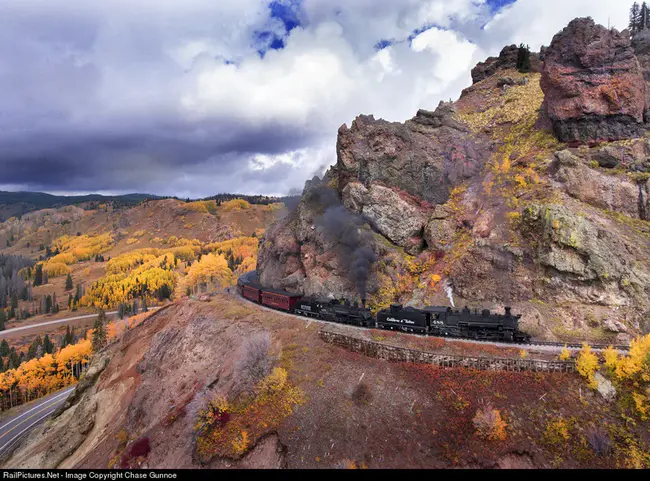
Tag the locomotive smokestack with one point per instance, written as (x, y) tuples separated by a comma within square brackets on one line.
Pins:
[(507, 311)]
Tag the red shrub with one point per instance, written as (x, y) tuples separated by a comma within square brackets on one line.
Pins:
[(138, 449)]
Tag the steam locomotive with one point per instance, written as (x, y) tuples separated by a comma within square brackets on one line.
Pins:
[(431, 320)]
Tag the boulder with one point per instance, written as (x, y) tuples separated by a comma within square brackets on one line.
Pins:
[(613, 325), (593, 85), (393, 215), (616, 193), (439, 233), (605, 387)]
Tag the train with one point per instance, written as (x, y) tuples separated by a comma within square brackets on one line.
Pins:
[(442, 321)]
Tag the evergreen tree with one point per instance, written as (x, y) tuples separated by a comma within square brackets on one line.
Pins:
[(14, 301), (523, 58), (3, 319), (67, 337), (77, 294), (99, 332), (635, 14), (38, 275), (13, 359), (55, 305), (68, 283), (44, 277), (69, 301), (48, 304), (4, 348), (48, 347), (32, 352), (2, 365)]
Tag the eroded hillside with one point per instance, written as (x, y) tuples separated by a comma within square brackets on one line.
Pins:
[(143, 403)]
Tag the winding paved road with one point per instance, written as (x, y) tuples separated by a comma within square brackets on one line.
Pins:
[(13, 428), (10, 332)]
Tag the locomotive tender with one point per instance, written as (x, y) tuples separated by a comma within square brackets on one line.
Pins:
[(431, 320)]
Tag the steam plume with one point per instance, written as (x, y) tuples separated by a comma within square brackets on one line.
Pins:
[(449, 291), (341, 227)]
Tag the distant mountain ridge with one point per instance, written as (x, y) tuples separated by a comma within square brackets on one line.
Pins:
[(19, 203), (22, 202)]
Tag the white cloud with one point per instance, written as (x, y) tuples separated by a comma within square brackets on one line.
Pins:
[(155, 69)]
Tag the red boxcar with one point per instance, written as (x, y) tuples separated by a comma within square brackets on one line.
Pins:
[(279, 299), (253, 293)]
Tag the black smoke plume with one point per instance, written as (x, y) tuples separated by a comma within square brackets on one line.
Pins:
[(342, 228)]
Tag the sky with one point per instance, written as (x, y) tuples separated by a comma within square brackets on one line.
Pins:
[(197, 97)]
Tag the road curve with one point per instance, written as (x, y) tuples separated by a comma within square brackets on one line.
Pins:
[(58, 321), (16, 427)]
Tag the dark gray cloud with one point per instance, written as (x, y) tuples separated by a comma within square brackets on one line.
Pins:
[(174, 98)]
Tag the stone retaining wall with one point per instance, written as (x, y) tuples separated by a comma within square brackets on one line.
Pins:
[(402, 354)]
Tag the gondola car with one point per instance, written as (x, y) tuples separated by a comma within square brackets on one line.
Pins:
[(406, 319)]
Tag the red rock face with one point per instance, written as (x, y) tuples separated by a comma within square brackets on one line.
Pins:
[(593, 84)]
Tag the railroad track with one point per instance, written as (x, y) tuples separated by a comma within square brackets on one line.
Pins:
[(551, 344)]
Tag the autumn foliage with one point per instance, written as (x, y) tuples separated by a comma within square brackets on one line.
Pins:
[(489, 424), (229, 428), (39, 377)]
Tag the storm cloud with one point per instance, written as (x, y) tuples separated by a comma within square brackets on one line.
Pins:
[(197, 97)]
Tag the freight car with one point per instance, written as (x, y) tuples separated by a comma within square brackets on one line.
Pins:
[(431, 320)]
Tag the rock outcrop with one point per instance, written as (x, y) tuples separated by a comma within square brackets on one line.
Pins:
[(423, 157), (478, 195), (593, 85), (507, 59), (641, 46), (581, 181)]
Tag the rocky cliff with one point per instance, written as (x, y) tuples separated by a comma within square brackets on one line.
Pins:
[(531, 190)]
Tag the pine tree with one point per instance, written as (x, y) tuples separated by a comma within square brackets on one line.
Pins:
[(635, 13), (68, 283), (99, 332), (13, 359), (48, 304), (55, 305), (643, 17), (32, 352), (48, 347), (523, 58), (69, 301), (14, 301), (3, 319), (4, 348), (67, 337), (38, 275)]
